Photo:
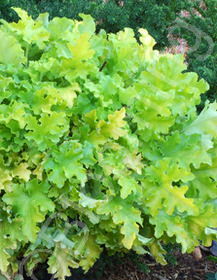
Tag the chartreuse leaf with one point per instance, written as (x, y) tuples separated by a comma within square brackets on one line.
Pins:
[(151, 119), (65, 163), (133, 161), (10, 50), (47, 69), (43, 100), (48, 96), (60, 261), (113, 128), (85, 203), (120, 56), (8, 235), (187, 150), (129, 185), (160, 192), (87, 25), (130, 227), (22, 171), (87, 250), (186, 228), (4, 87), (126, 95), (139, 244), (81, 50), (107, 89), (148, 44), (80, 54), (6, 243), (122, 214), (158, 252), (205, 123), (48, 129), (205, 180), (184, 91), (91, 119), (5, 177), (60, 28), (173, 225), (83, 252), (68, 94), (197, 224), (111, 162), (15, 111), (31, 31), (88, 154), (30, 203)]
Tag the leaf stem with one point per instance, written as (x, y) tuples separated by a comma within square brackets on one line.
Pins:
[(103, 66)]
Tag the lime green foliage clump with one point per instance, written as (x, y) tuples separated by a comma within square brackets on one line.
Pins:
[(101, 146)]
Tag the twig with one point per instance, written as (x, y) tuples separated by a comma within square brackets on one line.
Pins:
[(102, 66)]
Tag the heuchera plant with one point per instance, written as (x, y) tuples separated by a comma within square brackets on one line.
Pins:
[(101, 146)]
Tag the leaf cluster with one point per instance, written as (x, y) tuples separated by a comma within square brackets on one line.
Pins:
[(101, 146)]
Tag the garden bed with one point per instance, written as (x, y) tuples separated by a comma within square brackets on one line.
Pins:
[(134, 267), (180, 266)]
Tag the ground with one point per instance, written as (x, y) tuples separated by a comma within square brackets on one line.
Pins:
[(181, 266), (133, 267)]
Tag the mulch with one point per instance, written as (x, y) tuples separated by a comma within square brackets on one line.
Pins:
[(134, 267), (186, 267)]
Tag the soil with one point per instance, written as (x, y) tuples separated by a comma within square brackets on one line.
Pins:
[(134, 267), (180, 266)]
